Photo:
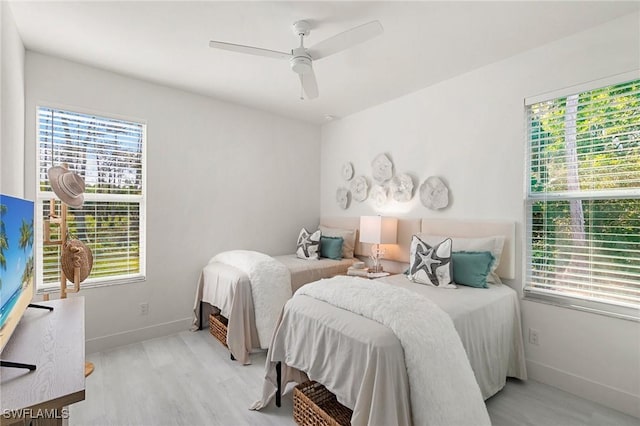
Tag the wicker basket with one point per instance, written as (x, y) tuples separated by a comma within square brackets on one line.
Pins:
[(314, 405), (218, 328)]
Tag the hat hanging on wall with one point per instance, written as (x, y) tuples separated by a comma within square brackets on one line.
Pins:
[(67, 185), (76, 254)]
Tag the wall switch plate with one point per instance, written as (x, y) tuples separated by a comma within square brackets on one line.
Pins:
[(144, 308)]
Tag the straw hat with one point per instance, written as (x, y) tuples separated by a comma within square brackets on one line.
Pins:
[(67, 185), (75, 253)]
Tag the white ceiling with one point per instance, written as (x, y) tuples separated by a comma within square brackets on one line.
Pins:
[(423, 43)]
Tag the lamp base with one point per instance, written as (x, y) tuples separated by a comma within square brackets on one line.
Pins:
[(376, 268)]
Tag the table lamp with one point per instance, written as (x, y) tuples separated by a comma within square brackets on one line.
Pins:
[(378, 230)]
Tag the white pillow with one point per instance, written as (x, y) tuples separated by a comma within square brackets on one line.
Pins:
[(348, 239), (308, 245), (493, 244), (431, 263)]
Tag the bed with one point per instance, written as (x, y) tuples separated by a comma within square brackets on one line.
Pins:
[(362, 361), (225, 290)]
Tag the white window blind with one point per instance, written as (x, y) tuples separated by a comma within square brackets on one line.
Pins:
[(583, 199), (109, 154)]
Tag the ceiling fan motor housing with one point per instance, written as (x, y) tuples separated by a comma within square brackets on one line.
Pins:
[(301, 61)]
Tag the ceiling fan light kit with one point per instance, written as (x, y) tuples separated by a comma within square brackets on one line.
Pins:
[(301, 61), (300, 58)]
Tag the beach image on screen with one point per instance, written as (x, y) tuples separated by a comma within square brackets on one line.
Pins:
[(16, 252)]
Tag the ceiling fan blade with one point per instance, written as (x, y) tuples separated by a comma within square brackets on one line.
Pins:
[(309, 84), (249, 49), (346, 39)]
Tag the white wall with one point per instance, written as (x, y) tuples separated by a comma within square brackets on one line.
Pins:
[(469, 130), (11, 105), (219, 176)]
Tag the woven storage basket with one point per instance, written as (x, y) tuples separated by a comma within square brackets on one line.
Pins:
[(314, 405), (218, 328)]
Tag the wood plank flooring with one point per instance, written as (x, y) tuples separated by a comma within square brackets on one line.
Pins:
[(188, 379)]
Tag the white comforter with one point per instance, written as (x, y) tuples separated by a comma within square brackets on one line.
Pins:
[(270, 287), (443, 390)]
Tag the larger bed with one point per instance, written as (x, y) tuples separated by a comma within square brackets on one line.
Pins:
[(362, 361)]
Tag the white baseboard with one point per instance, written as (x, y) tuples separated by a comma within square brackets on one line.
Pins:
[(98, 344), (602, 394)]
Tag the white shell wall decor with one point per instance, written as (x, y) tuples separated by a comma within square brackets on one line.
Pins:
[(379, 195), (382, 168), (434, 194), (401, 187), (347, 171), (359, 188), (342, 197)]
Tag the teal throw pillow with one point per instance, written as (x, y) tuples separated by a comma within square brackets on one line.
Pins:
[(331, 247), (471, 268)]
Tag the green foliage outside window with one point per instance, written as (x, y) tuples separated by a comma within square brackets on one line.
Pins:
[(108, 154), (585, 220)]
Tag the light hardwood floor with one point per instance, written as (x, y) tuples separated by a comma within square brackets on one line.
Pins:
[(188, 379)]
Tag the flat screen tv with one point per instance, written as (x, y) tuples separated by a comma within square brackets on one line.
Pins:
[(16, 262)]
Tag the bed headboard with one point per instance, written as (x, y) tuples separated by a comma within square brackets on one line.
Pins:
[(398, 252), (445, 227), (475, 229)]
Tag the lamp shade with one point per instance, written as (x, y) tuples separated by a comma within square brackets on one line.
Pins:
[(378, 230)]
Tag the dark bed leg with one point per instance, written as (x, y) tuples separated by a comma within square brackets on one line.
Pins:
[(233, 358), (278, 381), (200, 322)]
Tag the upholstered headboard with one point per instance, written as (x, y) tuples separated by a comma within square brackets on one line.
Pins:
[(398, 252), (445, 227), (475, 229)]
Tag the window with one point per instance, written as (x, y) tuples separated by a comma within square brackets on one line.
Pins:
[(109, 154), (583, 199)]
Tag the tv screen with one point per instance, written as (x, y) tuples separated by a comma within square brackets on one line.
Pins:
[(16, 262)]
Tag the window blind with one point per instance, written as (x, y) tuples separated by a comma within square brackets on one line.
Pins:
[(583, 197), (109, 154)]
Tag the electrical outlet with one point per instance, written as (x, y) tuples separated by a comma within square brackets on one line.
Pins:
[(534, 337), (144, 308)]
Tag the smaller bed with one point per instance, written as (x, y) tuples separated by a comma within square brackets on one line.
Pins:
[(225, 291)]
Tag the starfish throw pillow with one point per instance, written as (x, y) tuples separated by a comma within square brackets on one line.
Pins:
[(308, 246), (431, 264)]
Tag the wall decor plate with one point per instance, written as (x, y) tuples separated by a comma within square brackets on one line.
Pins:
[(382, 168), (359, 188), (434, 194), (401, 187), (342, 197), (347, 171), (379, 195)]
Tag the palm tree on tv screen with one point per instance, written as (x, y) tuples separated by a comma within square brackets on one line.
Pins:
[(26, 235), (4, 242)]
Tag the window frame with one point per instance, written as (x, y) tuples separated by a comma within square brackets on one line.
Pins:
[(539, 295), (42, 197)]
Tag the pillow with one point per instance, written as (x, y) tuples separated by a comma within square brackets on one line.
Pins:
[(472, 268), (493, 244), (348, 237), (308, 245), (431, 264), (331, 247)]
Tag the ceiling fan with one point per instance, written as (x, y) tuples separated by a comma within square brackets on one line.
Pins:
[(301, 58)]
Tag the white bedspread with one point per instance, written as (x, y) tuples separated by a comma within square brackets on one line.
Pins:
[(488, 322), (440, 376), (270, 287), (305, 271)]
